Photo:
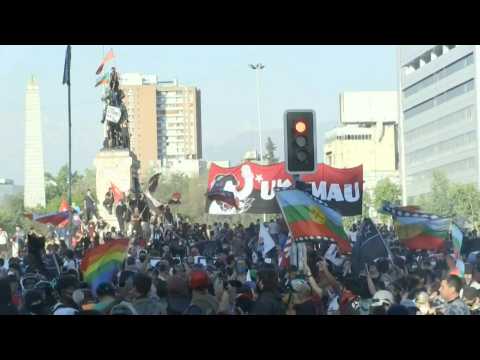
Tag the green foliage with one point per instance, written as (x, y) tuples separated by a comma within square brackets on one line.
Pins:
[(57, 187), (12, 214), (270, 152), (386, 191), (449, 199)]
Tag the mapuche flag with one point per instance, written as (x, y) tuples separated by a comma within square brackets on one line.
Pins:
[(102, 263), (109, 56), (310, 219), (418, 230)]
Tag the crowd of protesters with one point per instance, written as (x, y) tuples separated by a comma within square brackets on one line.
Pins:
[(175, 267)]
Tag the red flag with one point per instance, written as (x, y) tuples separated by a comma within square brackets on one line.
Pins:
[(117, 194), (63, 206), (109, 56)]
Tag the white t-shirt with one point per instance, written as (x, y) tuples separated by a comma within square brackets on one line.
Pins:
[(3, 238), (14, 248)]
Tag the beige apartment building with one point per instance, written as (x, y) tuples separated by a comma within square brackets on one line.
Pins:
[(367, 136), (165, 121)]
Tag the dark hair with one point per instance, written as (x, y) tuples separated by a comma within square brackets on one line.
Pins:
[(142, 283), (2, 262), (455, 282), (162, 291), (269, 278), (67, 281), (382, 266)]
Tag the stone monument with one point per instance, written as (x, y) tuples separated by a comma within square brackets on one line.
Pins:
[(115, 164)]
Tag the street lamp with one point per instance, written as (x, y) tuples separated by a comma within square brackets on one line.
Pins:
[(257, 69)]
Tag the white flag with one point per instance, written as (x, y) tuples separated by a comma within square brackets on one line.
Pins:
[(268, 243)]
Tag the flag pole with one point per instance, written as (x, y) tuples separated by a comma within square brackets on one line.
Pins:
[(66, 80)]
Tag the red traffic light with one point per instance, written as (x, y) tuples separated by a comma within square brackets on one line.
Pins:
[(300, 126)]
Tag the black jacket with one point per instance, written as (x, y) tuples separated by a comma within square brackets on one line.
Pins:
[(269, 303)]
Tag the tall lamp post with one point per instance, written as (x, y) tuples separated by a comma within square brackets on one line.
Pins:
[(257, 69)]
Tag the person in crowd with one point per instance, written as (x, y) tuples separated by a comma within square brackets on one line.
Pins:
[(202, 302), (269, 301), (90, 206), (450, 292), (144, 304), (66, 286), (3, 243)]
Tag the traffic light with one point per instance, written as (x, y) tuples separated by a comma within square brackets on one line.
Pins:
[(300, 141)]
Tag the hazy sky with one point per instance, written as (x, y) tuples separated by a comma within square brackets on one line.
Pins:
[(294, 77)]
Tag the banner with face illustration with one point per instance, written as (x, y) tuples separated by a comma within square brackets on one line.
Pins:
[(253, 186)]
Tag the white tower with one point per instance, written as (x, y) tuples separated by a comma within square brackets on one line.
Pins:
[(34, 193)]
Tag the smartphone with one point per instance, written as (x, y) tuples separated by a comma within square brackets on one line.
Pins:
[(201, 260), (154, 262)]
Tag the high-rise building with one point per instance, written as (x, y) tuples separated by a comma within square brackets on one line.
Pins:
[(438, 115), (367, 136), (165, 121), (34, 190)]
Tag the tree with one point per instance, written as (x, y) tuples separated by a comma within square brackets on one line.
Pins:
[(57, 187), (385, 190), (465, 200), (270, 152), (440, 201)]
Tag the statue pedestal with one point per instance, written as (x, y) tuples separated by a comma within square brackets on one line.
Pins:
[(119, 167)]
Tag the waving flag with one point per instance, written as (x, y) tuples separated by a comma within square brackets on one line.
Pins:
[(52, 218), (109, 56), (117, 194), (100, 264), (63, 205), (457, 239), (218, 194), (66, 69), (103, 79), (368, 247), (310, 219), (419, 230), (266, 239), (284, 259)]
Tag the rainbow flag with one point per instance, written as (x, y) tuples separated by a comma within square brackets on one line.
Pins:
[(310, 219), (418, 230), (100, 264)]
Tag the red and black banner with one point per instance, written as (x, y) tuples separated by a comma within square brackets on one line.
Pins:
[(253, 187)]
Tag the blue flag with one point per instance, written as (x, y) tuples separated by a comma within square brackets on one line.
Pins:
[(66, 69)]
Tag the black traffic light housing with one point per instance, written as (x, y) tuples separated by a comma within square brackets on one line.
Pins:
[(300, 141)]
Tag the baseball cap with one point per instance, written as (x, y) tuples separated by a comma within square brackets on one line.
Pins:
[(382, 297)]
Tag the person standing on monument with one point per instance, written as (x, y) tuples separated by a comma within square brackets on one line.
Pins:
[(121, 214), (90, 206), (108, 202)]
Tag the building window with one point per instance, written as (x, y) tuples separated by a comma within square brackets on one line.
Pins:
[(439, 99), (439, 75)]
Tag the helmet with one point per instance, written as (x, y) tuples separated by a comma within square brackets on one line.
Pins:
[(198, 280), (105, 289)]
